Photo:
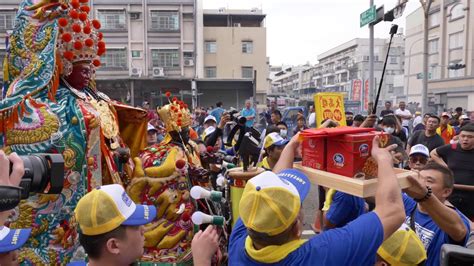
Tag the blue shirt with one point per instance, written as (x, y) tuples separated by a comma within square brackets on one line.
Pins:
[(354, 244), (344, 209), (217, 113), (249, 112), (428, 231)]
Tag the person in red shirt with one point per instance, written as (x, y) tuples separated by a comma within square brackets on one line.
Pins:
[(446, 131)]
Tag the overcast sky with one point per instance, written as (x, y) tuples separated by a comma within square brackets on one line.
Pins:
[(299, 30)]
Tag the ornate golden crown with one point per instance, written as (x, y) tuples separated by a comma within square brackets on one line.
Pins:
[(79, 38), (175, 115)]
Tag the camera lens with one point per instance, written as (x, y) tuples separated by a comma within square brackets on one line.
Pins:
[(44, 173)]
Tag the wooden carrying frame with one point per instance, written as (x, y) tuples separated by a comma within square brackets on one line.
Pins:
[(356, 187)]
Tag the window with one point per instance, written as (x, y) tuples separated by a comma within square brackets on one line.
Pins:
[(454, 73), (136, 54), (247, 72), (165, 57), (165, 20), (211, 47), (366, 58), (390, 88), (393, 60), (188, 55), (211, 72), (456, 40), (7, 19), (112, 19), (433, 19), (457, 11), (188, 15), (433, 46), (115, 59), (434, 71), (247, 47)]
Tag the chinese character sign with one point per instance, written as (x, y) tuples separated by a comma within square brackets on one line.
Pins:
[(356, 89), (329, 106), (366, 95)]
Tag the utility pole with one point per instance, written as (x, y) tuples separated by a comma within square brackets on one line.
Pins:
[(371, 61), (426, 4)]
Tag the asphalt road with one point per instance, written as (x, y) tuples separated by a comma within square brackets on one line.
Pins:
[(310, 205)]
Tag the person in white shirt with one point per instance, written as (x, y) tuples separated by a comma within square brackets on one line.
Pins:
[(405, 114), (312, 117)]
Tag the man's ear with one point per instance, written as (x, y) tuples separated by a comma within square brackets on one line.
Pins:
[(112, 246), (447, 192)]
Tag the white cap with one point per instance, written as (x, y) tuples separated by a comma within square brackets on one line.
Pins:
[(151, 127), (210, 117), (420, 149)]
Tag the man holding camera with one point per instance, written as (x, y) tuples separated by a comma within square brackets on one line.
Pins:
[(10, 239)]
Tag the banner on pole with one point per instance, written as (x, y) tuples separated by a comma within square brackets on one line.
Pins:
[(356, 89)]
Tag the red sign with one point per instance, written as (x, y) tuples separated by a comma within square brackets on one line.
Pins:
[(356, 89), (366, 95)]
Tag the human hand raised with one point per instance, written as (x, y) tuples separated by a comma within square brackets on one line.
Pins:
[(381, 154), (18, 170), (204, 246), (8, 179), (417, 188)]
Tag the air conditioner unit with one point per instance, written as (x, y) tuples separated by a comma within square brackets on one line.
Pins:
[(158, 72), (189, 62), (135, 72)]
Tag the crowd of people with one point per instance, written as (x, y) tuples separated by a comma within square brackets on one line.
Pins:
[(394, 228), (438, 209)]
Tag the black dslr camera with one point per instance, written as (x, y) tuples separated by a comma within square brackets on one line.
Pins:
[(237, 118), (44, 173)]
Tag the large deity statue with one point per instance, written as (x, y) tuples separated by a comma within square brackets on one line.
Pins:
[(164, 175), (51, 106)]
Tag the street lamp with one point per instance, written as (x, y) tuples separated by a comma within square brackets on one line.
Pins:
[(409, 65)]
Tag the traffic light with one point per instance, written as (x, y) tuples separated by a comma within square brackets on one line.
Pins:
[(456, 66)]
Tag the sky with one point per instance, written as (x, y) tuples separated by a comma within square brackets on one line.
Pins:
[(299, 30)]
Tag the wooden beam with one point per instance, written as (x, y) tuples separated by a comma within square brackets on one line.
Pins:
[(356, 187)]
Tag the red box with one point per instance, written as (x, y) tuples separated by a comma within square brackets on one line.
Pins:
[(314, 152), (346, 154)]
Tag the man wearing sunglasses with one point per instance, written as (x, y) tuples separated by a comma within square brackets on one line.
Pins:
[(419, 156)]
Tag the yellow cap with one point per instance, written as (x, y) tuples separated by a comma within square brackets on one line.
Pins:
[(274, 139), (107, 207), (271, 203), (403, 248)]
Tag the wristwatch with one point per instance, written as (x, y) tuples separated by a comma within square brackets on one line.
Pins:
[(427, 195)]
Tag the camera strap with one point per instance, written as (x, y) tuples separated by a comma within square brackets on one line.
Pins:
[(9, 197)]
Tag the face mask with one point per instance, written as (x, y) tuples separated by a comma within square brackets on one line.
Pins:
[(349, 122), (160, 138), (389, 130), (283, 133)]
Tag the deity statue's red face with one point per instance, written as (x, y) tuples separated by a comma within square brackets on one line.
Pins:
[(80, 76)]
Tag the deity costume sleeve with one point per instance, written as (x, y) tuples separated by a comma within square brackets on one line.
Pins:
[(42, 113)]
